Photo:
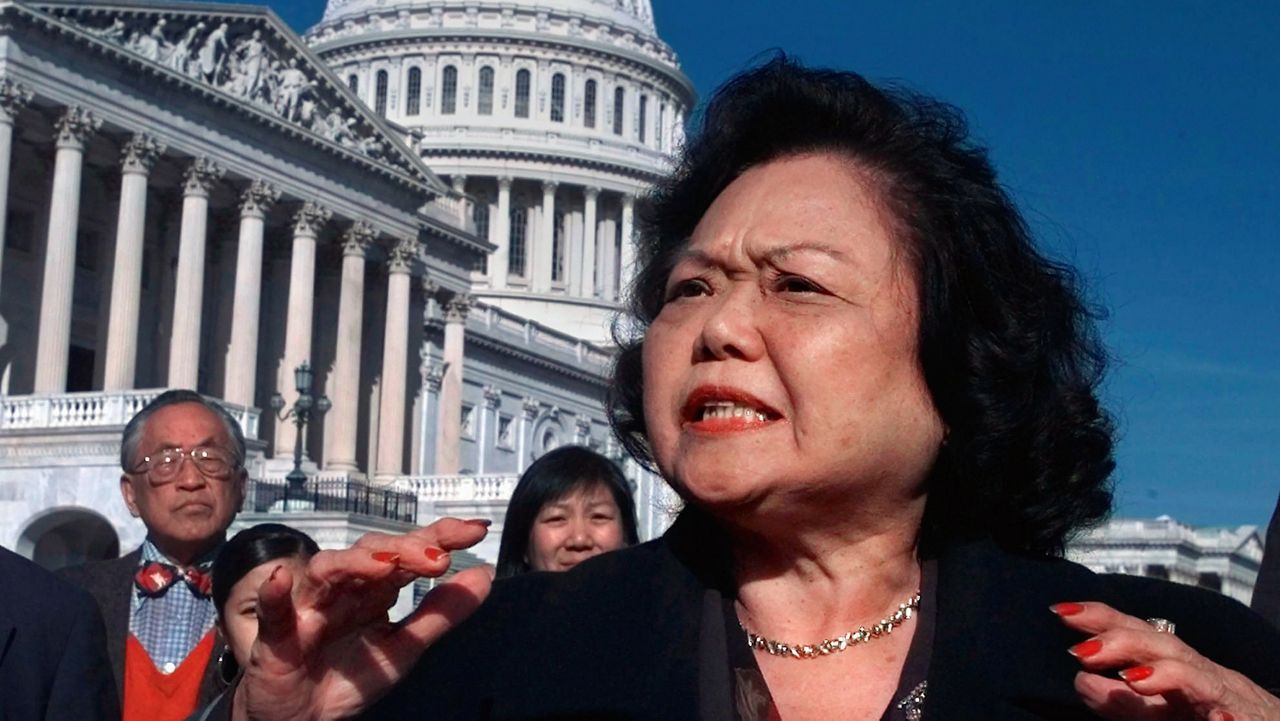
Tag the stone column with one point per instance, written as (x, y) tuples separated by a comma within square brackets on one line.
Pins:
[(395, 360), (500, 235), (307, 223), (54, 345), (459, 184), (627, 270), (488, 420), (346, 360), (528, 411), (432, 379), (543, 250), (609, 260), (13, 97), (188, 291), (449, 417), (573, 258), (240, 384), (137, 158), (589, 242)]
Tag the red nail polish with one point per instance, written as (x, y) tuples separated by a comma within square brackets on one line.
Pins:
[(1067, 609), (386, 556), (1137, 673), (483, 522), (1225, 716), (435, 554), (1086, 649)]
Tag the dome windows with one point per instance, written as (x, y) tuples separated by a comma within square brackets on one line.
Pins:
[(522, 93), (484, 103), (449, 90), (557, 98), (380, 93), (589, 104), (413, 94)]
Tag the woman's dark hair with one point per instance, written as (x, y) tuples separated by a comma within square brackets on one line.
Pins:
[(1007, 344), (251, 548), (555, 475)]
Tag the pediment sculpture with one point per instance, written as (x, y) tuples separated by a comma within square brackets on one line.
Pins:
[(259, 68)]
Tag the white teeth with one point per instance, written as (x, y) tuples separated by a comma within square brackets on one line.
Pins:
[(729, 409)]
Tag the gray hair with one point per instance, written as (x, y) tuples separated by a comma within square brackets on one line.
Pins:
[(133, 430)]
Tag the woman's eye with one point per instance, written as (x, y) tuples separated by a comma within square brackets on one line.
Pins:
[(602, 517), (795, 284), (689, 288)]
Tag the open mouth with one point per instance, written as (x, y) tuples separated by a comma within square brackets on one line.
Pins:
[(718, 409)]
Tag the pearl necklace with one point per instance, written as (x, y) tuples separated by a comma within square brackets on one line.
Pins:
[(839, 643)]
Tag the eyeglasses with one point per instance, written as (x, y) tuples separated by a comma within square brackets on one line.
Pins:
[(212, 462)]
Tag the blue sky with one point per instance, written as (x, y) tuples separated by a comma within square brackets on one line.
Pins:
[(1141, 139)]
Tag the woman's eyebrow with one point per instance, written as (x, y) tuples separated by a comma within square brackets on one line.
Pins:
[(782, 252)]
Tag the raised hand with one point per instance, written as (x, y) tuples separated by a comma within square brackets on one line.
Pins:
[(325, 649), (1159, 676)]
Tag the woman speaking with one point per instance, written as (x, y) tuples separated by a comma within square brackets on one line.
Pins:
[(879, 403)]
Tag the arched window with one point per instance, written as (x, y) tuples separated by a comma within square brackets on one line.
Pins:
[(449, 91), (644, 106), (484, 104), (557, 247), (522, 93), (353, 82), (589, 104), (413, 94), (557, 98), (516, 247), (380, 93), (619, 96)]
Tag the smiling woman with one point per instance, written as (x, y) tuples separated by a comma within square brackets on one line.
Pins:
[(879, 403)]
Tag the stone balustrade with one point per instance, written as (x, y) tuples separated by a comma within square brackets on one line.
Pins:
[(493, 487), (96, 409)]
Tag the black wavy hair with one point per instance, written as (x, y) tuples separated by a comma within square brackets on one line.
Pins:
[(251, 548), (1007, 343), (555, 475)]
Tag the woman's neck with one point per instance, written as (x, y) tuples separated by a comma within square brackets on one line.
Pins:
[(816, 582)]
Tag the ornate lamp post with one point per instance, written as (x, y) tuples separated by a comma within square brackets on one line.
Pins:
[(301, 414)]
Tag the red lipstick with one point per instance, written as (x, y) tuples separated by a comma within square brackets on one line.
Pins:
[(722, 409)]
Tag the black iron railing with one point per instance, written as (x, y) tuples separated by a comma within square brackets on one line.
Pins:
[(338, 495)]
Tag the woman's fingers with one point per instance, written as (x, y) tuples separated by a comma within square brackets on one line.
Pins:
[(1113, 699), (1094, 618), (446, 606)]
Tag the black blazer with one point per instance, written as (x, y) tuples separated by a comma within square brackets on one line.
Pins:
[(53, 653), (619, 637), (111, 585), (1266, 593)]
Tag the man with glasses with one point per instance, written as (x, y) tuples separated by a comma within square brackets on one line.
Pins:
[(184, 477)]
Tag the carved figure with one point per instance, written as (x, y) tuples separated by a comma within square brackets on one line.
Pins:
[(181, 53), (113, 32), (158, 48), (213, 53), (293, 84), (251, 57)]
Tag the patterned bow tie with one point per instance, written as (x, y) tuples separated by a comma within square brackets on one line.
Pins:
[(154, 579)]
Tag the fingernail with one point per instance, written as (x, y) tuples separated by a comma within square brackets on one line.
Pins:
[(1225, 716), (1067, 609), (1086, 648), (435, 554), (482, 522), (274, 571), (1137, 673), (386, 556)]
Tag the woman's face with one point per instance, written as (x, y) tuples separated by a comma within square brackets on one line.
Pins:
[(783, 366), (584, 523), (240, 615)]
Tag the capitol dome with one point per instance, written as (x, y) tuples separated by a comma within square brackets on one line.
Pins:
[(553, 116)]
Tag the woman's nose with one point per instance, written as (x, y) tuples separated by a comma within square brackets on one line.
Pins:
[(580, 536), (730, 330)]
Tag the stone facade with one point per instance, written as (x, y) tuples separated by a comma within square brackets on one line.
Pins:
[(194, 198), (1221, 559)]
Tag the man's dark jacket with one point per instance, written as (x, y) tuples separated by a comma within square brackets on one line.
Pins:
[(619, 637), (53, 653), (111, 585)]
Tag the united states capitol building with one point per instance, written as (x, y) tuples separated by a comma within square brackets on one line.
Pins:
[(1223, 559), (430, 202)]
